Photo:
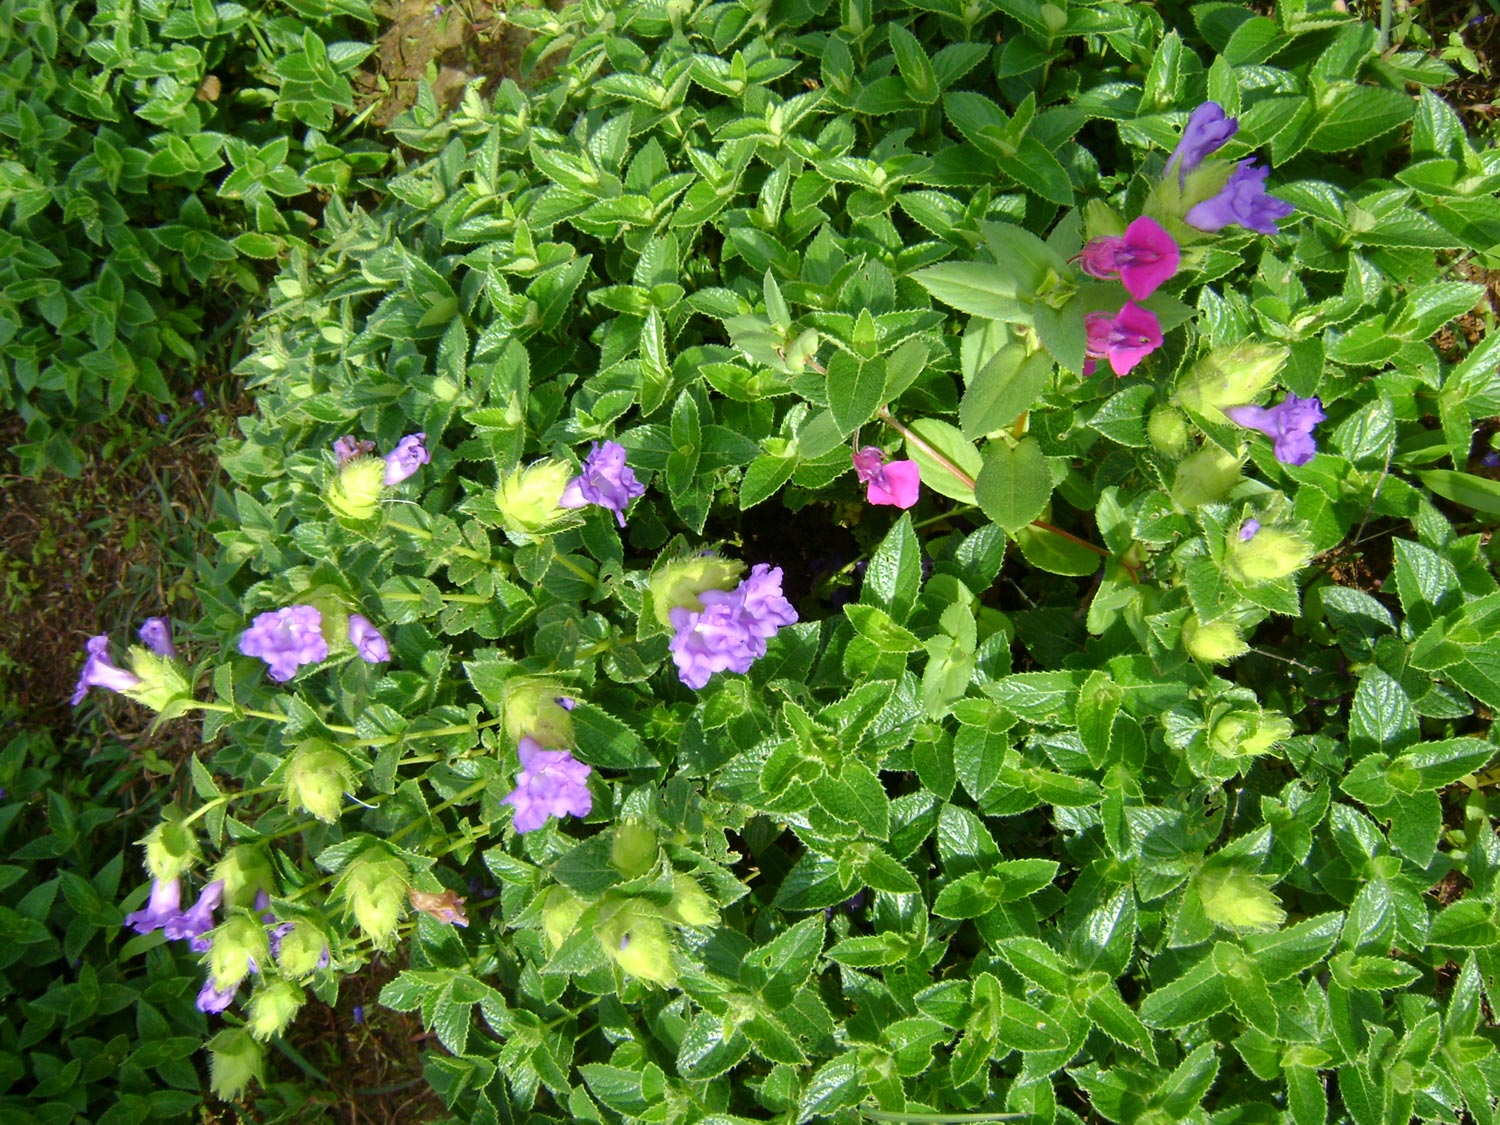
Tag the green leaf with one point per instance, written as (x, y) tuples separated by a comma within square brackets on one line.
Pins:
[(949, 442), (1015, 483), (1357, 115), (876, 626), (854, 391), (894, 575), (1189, 999), (1466, 924), (1478, 494), (602, 740), (1002, 390), (977, 288)]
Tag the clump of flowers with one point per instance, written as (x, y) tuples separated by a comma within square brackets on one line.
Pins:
[(1289, 424), (155, 678), (551, 783), (896, 482), (286, 639), (1241, 200), (729, 630), (606, 481), (355, 493)]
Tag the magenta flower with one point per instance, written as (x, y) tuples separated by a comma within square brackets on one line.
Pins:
[(1289, 424), (409, 455), (1208, 130), (197, 919), (896, 482), (1242, 200), (373, 648), (286, 639), (1248, 529), (99, 672), (1142, 258), (161, 909), (1124, 339), (211, 1001), (156, 634), (606, 480), (730, 633), (348, 447), (551, 783)]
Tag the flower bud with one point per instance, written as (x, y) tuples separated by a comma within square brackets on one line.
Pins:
[(316, 778), (373, 888), (689, 905), (304, 949), (1168, 431), (355, 493), (1204, 477), (1227, 376), (528, 498), (245, 870), (1217, 642), (238, 946), (678, 583), (171, 848), (634, 850), (235, 1059), (634, 937), (802, 349), (530, 707), (273, 1007), (560, 916), (1271, 553), (1248, 734), (163, 683)]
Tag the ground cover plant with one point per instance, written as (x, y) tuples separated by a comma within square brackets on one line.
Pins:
[(870, 561)]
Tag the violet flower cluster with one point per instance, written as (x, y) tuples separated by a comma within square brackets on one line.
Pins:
[(551, 783), (606, 481), (98, 671), (731, 630), (895, 482), (286, 639), (1243, 197), (163, 911), (1289, 424)]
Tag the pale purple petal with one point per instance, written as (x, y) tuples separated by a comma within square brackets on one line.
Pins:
[(606, 481), (551, 783), (348, 447), (1289, 424), (156, 634), (409, 455), (211, 1001), (373, 647), (1242, 200), (99, 672), (1207, 131), (160, 910), (197, 919), (286, 639), (1249, 529)]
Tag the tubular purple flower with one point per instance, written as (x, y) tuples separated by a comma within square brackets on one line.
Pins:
[(197, 919), (1124, 339), (1207, 131), (1289, 424), (286, 639), (409, 455), (373, 647), (897, 483), (348, 447), (1248, 529), (156, 634), (764, 608), (161, 909), (1242, 200), (730, 633), (99, 672), (212, 1001), (551, 783), (606, 480)]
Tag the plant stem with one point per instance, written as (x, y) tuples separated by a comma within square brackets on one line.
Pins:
[(916, 441), (457, 798)]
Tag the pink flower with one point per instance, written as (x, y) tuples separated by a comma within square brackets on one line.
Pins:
[(1142, 258), (1124, 339), (894, 482)]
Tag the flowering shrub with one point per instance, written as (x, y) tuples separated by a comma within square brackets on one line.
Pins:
[(1060, 794)]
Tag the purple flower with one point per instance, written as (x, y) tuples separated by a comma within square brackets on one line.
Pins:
[(285, 639), (200, 398), (197, 919), (606, 481), (367, 639), (730, 633), (348, 447), (896, 483), (162, 909), (551, 783), (1289, 424), (359, 1013), (156, 633), (1142, 258), (1242, 200), (565, 703), (1248, 529), (99, 672), (1124, 339), (211, 1001), (408, 456), (1207, 131)]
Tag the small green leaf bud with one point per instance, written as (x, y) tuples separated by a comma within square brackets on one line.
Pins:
[(245, 869), (560, 916), (528, 498), (1237, 900), (1168, 431), (373, 888), (355, 493), (1204, 477), (530, 707), (163, 683), (235, 1060), (304, 949), (240, 940), (1271, 553), (316, 779), (678, 583), (1217, 642), (634, 850), (171, 848), (1247, 734), (1230, 377), (634, 937), (689, 905), (273, 1007)]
